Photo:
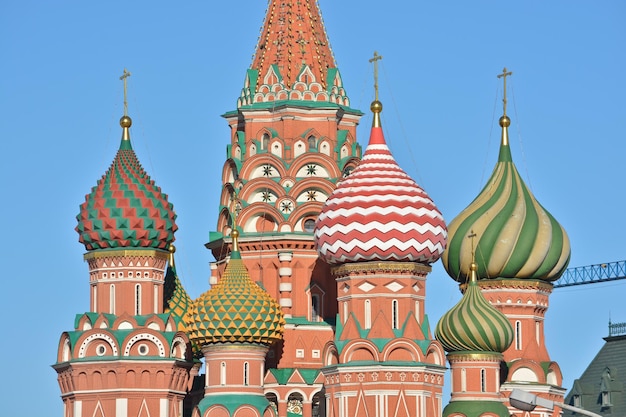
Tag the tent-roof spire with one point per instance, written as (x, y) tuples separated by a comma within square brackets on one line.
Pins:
[(293, 35)]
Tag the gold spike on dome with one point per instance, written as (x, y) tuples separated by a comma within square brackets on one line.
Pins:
[(235, 310)]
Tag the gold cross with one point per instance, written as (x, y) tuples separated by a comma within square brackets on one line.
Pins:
[(504, 75), (375, 60), (472, 235), (125, 75)]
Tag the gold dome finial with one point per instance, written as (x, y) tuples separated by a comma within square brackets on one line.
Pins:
[(473, 265), (125, 121), (171, 249), (377, 106)]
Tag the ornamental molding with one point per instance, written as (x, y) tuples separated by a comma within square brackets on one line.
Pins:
[(474, 357), (377, 267), (502, 283), (126, 253)]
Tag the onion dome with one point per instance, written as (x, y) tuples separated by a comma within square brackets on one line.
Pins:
[(378, 213), (235, 310), (474, 324), (518, 237), (126, 209), (176, 300)]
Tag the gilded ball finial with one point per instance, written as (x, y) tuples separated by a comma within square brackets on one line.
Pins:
[(473, 267), (376, 106), (234, 234), (126, 121), (171, 248), (505, 121)]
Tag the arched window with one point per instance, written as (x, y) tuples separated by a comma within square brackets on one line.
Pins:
[(417, 311), (312, 142), (265, 141), (368, 314), (223, 373), (518, 335), (246, 373), (394, 314), (137, 299)]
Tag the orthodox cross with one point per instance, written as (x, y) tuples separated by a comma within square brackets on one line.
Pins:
[(375, 60), (125, 75), (504, 75), (471, 236)]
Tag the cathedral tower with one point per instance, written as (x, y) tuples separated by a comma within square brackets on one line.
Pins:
[(380, 232), (521, 249), (292, 138), (235, 323), (126, 357)]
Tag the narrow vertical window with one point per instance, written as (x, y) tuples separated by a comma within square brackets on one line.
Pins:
[(246, 373), (394, 314), (315, 307), (95, 298), (537, 332), (417, 311), (483, 380), (112, 299), (155, 301), (518, 335), (463, 380), (137, 299), (265, 141), (368, 314), (345, 311), (223, 373)]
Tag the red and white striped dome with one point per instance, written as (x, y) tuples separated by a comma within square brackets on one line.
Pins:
[(378, 213)]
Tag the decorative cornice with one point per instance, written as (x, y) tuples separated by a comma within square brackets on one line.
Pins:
[(371, 267), (474, 357), (156, 253), (506, 283)]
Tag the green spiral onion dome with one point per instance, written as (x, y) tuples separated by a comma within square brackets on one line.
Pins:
[(235, 310), (474, 324), (518, 238), (126, 209)]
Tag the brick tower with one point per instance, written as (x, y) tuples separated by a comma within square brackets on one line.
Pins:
[(380, 232), (126, 356), (521, 249), (292, 137)]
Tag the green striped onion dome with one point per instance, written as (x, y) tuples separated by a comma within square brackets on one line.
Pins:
[(125, 208), (235, 310), (517, 237), (474, 324)]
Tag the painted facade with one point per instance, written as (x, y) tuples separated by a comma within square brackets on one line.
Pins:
[(318, 289)]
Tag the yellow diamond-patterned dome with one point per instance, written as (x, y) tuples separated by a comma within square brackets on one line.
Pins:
[(235, 310)]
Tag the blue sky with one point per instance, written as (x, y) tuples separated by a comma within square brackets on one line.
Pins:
[(61, 99)]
